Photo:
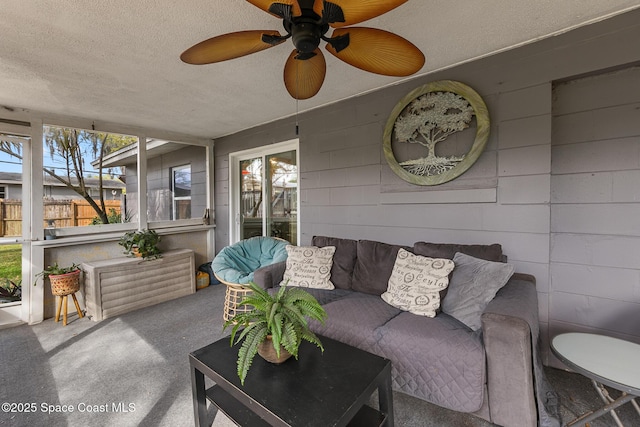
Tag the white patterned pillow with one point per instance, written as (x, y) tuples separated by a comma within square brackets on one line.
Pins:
[(416, 282), (309, 267)]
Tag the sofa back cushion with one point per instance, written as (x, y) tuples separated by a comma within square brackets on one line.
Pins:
[(374, 266), (473, 285), (344, 259), (448, 250)]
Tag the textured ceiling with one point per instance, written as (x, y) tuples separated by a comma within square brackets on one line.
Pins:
[(118, 60)]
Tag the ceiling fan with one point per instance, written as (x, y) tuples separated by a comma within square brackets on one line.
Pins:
[(307, 22)]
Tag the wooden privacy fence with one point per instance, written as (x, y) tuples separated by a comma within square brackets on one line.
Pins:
[(62, 213)]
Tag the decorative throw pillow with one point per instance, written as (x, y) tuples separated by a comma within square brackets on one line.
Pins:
[(474, 284), (309, 267), (416, 282)]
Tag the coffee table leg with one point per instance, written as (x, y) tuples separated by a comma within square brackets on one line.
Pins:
[(385, 396), (199, 398), (608, 408), (604, 396)]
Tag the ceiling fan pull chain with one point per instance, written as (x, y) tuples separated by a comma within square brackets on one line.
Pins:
[(297, 100)]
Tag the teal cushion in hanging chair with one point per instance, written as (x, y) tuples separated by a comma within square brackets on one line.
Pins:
[(236, 263)]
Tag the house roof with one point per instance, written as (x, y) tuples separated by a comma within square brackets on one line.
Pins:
[(118, 62), (107, 182)]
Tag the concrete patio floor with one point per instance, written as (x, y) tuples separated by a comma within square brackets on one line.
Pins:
[(133, 370)]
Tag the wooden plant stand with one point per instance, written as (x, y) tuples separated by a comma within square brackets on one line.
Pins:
[(62, 286)]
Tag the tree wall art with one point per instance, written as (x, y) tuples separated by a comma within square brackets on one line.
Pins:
[(427, 118)]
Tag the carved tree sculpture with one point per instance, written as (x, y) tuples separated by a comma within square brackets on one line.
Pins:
[(429, 120)]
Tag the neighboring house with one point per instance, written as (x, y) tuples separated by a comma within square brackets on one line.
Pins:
[(11, 188), (63, 207), (176, 179)]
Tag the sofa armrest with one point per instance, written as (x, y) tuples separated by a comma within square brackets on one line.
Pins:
[(507, 338), (270, 276)]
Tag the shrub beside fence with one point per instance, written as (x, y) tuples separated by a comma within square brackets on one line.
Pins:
[(63, 213)]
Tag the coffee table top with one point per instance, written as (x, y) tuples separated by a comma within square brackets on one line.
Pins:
[(610, 361), (318, 389)]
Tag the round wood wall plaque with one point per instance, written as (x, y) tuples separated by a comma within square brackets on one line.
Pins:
[(426, 118)]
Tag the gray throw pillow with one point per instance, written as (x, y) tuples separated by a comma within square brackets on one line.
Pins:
[(474, 283)]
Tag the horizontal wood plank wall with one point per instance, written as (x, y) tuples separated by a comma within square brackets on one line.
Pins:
[(595, 214), (348, 190)]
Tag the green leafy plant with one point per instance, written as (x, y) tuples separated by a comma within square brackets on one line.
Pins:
[(283, 316), (114, 218), (56, 270), (11, 291), (145, 242)]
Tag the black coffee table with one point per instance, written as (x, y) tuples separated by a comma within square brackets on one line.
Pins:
[(319, 389)]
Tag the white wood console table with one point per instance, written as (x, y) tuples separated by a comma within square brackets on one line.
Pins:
[(119, 285)]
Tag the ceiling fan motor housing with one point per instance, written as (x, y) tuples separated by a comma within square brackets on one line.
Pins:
[(306, 36)]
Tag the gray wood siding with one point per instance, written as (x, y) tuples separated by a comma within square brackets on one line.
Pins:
[(348, 190), (595, 213)]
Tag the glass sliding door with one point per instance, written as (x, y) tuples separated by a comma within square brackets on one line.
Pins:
[(281, 170), (264, 193), (251, 196)]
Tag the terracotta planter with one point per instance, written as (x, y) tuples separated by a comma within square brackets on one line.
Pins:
[(268, 353), (65, 284)]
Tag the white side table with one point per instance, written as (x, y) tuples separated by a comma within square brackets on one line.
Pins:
[(606, 361)]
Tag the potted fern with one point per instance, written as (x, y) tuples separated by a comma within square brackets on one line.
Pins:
[(275, 326)]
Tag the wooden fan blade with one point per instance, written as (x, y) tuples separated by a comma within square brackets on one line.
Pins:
[(278, 8), (228, 46), (356, 11), (378, 51), (303, 78)]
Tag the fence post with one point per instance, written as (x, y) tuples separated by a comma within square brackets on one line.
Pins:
[(2, 218), (74, 213)]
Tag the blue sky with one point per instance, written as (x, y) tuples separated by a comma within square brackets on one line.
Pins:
[(11, 164), (8, 163)]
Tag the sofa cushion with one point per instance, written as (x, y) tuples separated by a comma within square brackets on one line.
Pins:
[(354, 319), (491, 252), (474, 283), (344, 259), (323, 296), (448, 250), (308, 267), (236, 263), (436, 359), (416, 281), (374, 266)]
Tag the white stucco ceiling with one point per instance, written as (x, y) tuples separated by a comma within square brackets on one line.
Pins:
[(118, 60)]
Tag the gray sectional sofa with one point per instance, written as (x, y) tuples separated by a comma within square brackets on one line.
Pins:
[(494, 372)]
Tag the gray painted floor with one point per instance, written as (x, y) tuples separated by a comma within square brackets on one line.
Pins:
[(133, 370)]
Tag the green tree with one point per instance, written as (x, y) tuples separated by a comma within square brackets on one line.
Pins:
[(73, 146)]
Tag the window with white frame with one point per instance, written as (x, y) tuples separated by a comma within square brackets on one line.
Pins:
[(181, 192), (91, 179), (83, 173), (176, 182)]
